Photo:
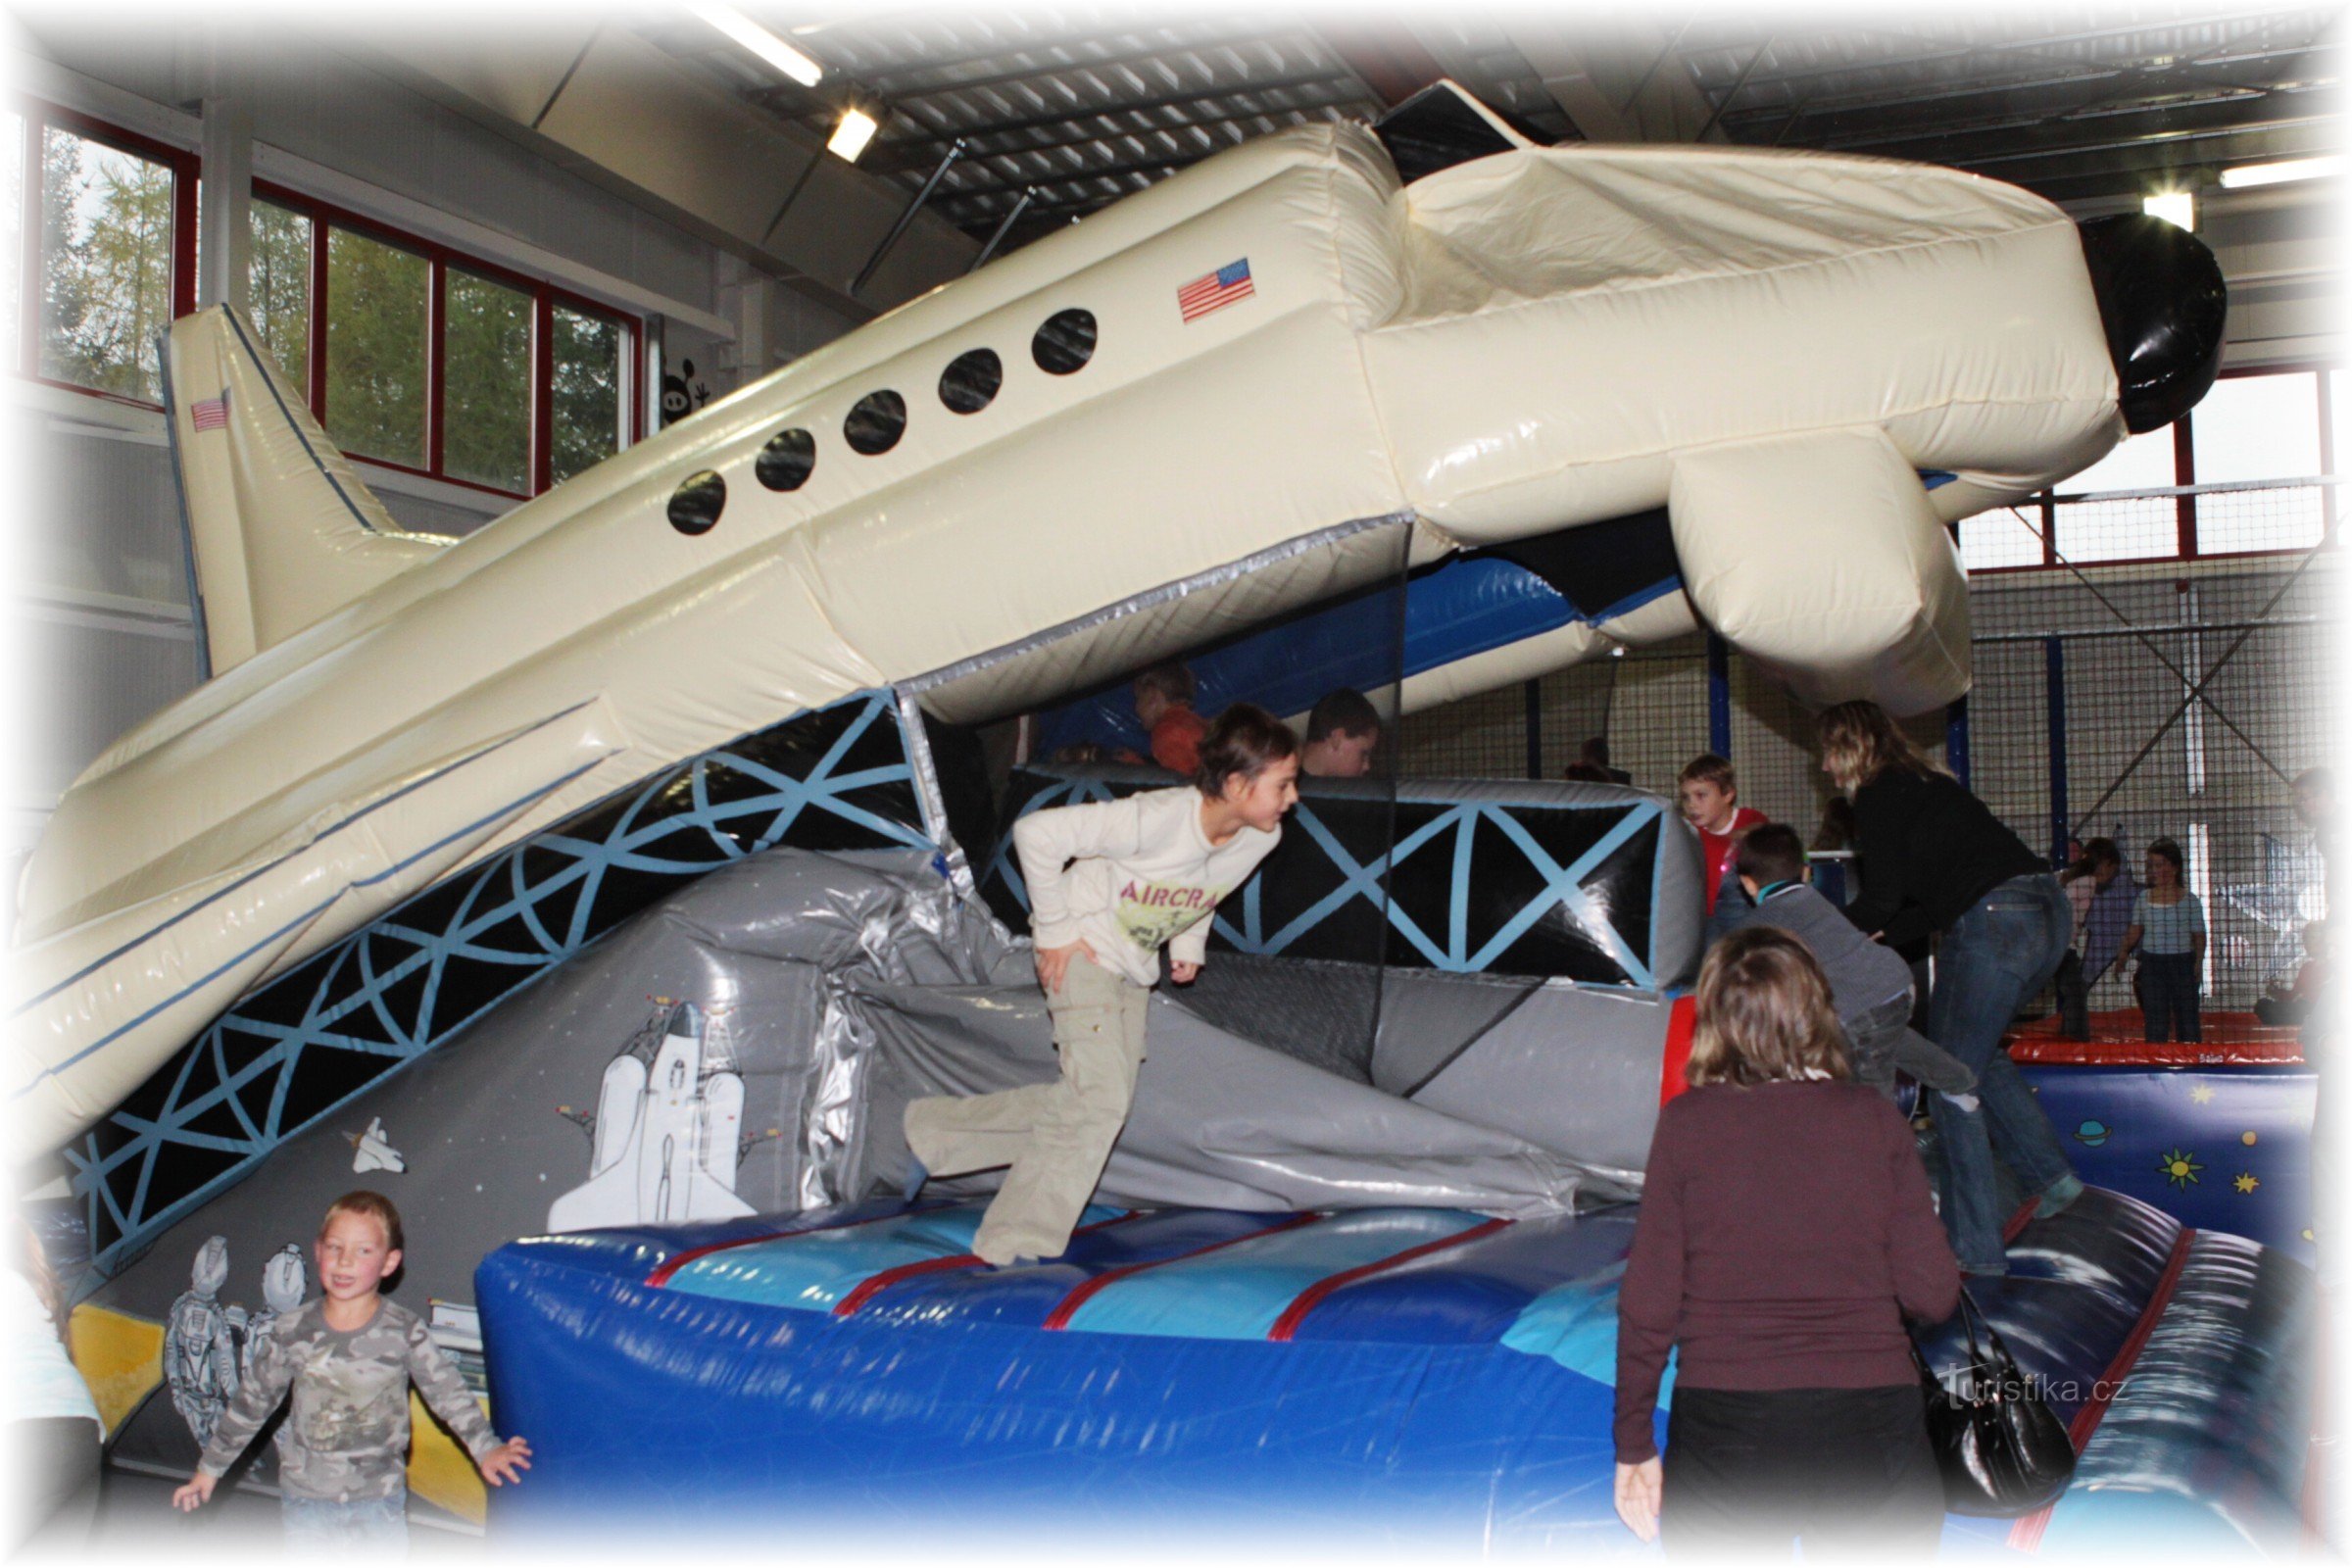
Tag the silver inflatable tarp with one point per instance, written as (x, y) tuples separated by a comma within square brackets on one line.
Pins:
[(1219, 1122)]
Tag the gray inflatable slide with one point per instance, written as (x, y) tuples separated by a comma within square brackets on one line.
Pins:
[(749, 1043)]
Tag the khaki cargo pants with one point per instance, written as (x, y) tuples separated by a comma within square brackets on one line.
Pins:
[(1057, 1136)]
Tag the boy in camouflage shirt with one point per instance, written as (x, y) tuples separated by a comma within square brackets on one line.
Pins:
[(348, 1359)]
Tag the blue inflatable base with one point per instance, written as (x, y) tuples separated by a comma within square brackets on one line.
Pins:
[(2220, 1148), (1378, 1375)]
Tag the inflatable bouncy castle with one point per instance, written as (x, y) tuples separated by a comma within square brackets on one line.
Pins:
[(603, 885)]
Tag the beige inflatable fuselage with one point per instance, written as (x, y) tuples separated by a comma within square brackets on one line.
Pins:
[(1772, 346)]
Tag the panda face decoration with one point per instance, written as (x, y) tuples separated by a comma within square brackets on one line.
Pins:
[(681, 394)]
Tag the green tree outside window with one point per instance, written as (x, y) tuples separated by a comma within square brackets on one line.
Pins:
[(11, 237), (487, 386), (106, 293), (377, 325), (586, 392), (278, 279), (106, 265)]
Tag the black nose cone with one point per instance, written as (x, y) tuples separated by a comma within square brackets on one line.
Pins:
[(2163, 301)]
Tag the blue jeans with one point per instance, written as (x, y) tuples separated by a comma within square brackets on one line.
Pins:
[(2167, 997), (372, 1527), (1991, 961)]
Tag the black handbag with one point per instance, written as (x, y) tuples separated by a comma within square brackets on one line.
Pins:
[(2002, 1452)]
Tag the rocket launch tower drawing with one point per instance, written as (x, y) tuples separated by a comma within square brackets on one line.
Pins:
[(667, 1132)]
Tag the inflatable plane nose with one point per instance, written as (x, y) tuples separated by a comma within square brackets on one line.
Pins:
[(2163, 301)]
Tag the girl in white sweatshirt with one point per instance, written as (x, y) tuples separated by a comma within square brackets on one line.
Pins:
[(1109, 885)]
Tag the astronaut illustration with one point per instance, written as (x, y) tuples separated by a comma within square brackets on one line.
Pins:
[(286, 1281), (666, 1137), (199, 1358)]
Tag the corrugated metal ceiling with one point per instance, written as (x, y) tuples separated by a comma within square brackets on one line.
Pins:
[(1078, 106)]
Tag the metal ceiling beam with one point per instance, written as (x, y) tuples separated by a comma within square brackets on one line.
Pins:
[(1630, 86), (2314, 133), (1113, 146), (1003, 227), (1969, 145), (1154, 52), (1077, 176), (1040, 217), (2131, 171), (873, 263), (2064, 173), (2030, 139), (1346, 90), (1843, 127), (1246, 25), (1897, 98), (1386, 56), (1715, 118), (1942, 51)]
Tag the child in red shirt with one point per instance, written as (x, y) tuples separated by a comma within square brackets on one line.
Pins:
[(1163, 700), (1710, 794)]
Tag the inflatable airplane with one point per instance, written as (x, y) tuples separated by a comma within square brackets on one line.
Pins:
[(1268, 381)]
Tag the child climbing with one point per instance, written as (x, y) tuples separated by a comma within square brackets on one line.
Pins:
[(1109, 885)]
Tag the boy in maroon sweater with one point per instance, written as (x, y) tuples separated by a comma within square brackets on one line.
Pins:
[(1785, 1232)]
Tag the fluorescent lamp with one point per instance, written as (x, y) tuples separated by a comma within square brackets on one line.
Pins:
[(2279, 174), (762, 42), (850, 136), (2177, 208)]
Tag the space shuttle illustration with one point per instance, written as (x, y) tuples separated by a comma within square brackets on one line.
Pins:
[(1266, 384), (372, 1150), (666, 1139)]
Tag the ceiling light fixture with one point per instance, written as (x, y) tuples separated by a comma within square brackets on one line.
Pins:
[(2177, 208), (2279, 174), (851, 134), (762, 42)]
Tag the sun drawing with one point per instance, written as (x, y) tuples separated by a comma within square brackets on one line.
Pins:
[(2246, 1182), (2178, 1167)]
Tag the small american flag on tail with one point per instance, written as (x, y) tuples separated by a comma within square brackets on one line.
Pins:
[(212, 414), (1213, 291)]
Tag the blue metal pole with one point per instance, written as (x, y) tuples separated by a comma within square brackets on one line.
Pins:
[(1955, 739), (1719, 696), (2053, 657)]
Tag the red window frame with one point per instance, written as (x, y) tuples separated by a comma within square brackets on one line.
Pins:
[(38, 117), (186, 169), (2187, 547), (546, 297)]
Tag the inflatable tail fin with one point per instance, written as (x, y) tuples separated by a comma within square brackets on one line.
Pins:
[(280, 531)]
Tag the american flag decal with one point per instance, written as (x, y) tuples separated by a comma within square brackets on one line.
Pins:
[(1213, 291), (212, 414)]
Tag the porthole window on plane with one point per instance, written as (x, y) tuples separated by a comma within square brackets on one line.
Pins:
[(1064, 343), (696, 504), (787, 461), (971, 383), (875, 424)]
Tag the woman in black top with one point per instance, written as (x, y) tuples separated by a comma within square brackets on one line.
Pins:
[(1937, 861)]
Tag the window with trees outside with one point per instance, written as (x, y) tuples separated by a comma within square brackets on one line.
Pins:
[(408, 352), (99, 251), (429, 360)]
